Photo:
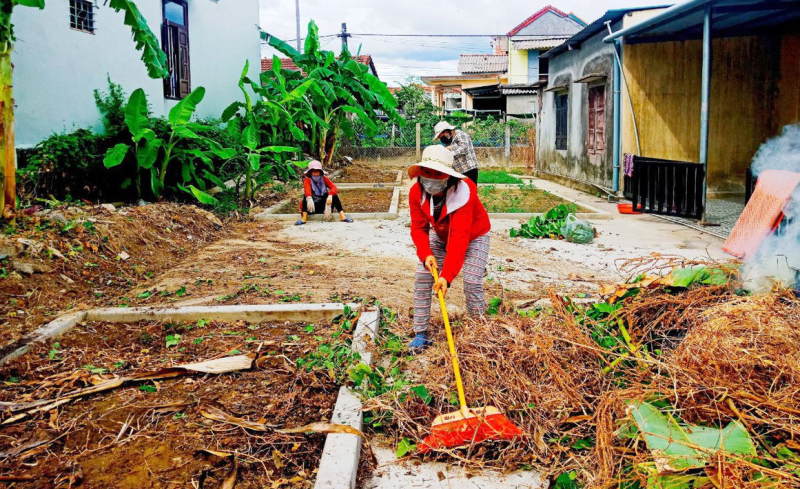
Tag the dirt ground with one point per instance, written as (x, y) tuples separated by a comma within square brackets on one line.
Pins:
[(365, 174), (168, 438), (353, 200), (74, 258)]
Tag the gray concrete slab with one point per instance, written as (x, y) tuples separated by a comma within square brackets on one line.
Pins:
[(249, 313), (45, 333), (338, 467), (393, 474)]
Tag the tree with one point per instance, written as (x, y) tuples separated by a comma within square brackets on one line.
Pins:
[(343, 88), (413, 100), (153, 57)]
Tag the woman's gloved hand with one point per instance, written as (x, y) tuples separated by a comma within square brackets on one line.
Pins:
[(430, 262), (310, 205)]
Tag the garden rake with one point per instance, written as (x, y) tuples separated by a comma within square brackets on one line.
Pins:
[(467, 425)]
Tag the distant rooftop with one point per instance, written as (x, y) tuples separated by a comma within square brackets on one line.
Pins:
[(288, 64), (482, 63)]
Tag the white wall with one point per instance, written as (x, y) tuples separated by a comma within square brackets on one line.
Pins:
[(56, 69)]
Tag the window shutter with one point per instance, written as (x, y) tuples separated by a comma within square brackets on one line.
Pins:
[(590, 138), (600, 119), (184, 71)]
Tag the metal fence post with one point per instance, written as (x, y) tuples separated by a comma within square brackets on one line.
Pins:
[(394, 128), (508, 142), (419, 129)]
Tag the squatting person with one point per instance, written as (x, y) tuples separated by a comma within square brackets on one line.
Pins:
[(445, 201), (460, 144), (320, 195)]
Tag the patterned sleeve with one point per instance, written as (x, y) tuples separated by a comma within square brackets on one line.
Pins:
[(460, 145)]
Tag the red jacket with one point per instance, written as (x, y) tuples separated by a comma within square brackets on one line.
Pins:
[(463, 219), (307, 192)]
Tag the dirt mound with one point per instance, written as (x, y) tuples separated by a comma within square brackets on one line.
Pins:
[(78, 257)]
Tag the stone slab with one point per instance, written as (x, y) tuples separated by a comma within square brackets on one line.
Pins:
[(249, 313)]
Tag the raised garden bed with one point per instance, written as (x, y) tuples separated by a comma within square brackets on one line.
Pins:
[(497, 176), (166, 431), (354, 200), (520, 200), (366, 174)]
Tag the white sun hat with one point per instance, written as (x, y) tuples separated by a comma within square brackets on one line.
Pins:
[(435, 157), (440, 128)]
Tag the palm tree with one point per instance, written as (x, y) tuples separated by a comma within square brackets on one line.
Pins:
[(153, 57)]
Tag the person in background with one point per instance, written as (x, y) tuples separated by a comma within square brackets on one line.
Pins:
[(320, 196), (460, 144), (446, 202)]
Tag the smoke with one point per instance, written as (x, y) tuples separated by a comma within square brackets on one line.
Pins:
[(777, 262)]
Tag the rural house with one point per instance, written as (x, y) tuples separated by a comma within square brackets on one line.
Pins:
[(472, 89), (577, 113), (537, 34), (72, 47)]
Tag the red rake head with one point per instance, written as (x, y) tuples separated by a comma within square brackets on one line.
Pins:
[(490, 424)]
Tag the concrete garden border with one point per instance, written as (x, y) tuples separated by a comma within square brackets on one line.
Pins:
[(338, 467), (250, 313), (339, 463), (270, 214)]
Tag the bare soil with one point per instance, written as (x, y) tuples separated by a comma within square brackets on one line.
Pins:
[(78, 258), (520, 200), (366, 174), (353, 200), (165, 443)]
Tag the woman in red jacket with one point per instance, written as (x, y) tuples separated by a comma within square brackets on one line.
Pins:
[(320, 195), (445, 202)]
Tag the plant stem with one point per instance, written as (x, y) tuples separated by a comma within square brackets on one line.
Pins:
[(8, 203)]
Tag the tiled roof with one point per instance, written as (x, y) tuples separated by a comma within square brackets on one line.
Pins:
[(539, 43), (483, 63), (288, 64)]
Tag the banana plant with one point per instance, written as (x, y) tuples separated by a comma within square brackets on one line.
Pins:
[(153, 57), (343, 88), (268, 129), (146, 146)]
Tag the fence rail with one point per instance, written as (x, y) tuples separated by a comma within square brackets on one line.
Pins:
[(666, 187)]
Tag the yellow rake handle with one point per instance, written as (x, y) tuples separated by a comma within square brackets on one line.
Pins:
[(453, 355)]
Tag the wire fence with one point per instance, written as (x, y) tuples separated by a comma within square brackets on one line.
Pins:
[(496, 143)]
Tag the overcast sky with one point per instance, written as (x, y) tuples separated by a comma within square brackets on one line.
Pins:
[(396, 58)]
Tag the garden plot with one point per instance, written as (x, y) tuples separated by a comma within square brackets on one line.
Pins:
[(365, 174), (363, 202), (521, 199), (199, 402)]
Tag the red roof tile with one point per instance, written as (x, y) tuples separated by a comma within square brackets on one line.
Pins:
[(288, 64)]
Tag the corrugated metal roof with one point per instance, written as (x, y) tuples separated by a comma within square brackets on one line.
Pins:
[(595, 27), (729, 18), (483, 63), (541, 43), (517, 89)]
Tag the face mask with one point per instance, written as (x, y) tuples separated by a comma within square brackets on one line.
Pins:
[(316, 178), (446, 140), (433, 186)]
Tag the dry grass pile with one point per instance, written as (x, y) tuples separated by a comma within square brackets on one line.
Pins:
[(704, 356)]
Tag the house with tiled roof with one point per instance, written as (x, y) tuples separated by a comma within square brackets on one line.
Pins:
[(524, 44), (288, 64)]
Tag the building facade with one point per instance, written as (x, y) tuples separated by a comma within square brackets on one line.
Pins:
[(576, 120), (73, 47)]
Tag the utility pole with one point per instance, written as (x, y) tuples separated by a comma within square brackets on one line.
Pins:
[(344, 35), (297, 14)]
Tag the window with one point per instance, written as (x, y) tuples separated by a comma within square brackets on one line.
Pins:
[(176, 46), (81, 15), (561, 119), (597, 119)]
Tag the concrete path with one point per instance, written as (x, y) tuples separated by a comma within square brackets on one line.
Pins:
[(392, 474)]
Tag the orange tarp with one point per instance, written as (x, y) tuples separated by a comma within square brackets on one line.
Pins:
[(763, 213)]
